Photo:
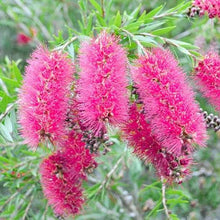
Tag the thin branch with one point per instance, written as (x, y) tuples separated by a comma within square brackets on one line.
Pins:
[(8, 109), (110, 173), (164, 198), (28, 207), (66, 44)]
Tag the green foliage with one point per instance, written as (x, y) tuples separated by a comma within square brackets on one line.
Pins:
[(10, 80), (122, 187)]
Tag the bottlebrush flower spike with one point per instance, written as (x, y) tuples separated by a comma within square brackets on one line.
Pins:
[(102, 85), (207, 77), (60, 185), (62, 174), (138, 132), (174, 117), (212, 7), (43, 99)]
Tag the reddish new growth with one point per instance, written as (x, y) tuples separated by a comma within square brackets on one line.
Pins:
[(62, 174), (23, 39), (102, 84), (138, 132), (43, 98), (208, 78), (174, 117), (212, 7)]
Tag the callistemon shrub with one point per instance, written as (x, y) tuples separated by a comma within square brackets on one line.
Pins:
[(207, 77), (43, 98), (211, 7), (171, 111), (138, 133), (62, 175), (102, 85)]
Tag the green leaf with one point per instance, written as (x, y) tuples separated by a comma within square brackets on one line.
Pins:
[(183, 44), (4, 101), (117, 21), (16, 72), (108, 7), (11, 84), (153, 12), (8, 124), (181, 7), (142, 17), (5, 133), (177, 192), (101, 20), (71, 51), (183, 50), (195, 53), (59, 38), (146, 40), (4, 160), (81, 26), (163, 30), (176, 201), (151, 27), (174, 217), (135, 13), (133, 27), (96, 6), (89, 24), (154, 210), (151, 186), (82, 5), (91, 191)]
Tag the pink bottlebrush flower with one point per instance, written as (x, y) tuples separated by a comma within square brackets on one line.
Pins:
[(169, 102), (102, 84), (207, 77), (43, 99), (138, 132), (61, 185), (62, 175), (212, 7), (23, 39)]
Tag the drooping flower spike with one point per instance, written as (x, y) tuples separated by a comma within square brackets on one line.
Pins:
[(174, 117), (43, 98), (102, 84), (62, 175), (207, 77), (138, 133)]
